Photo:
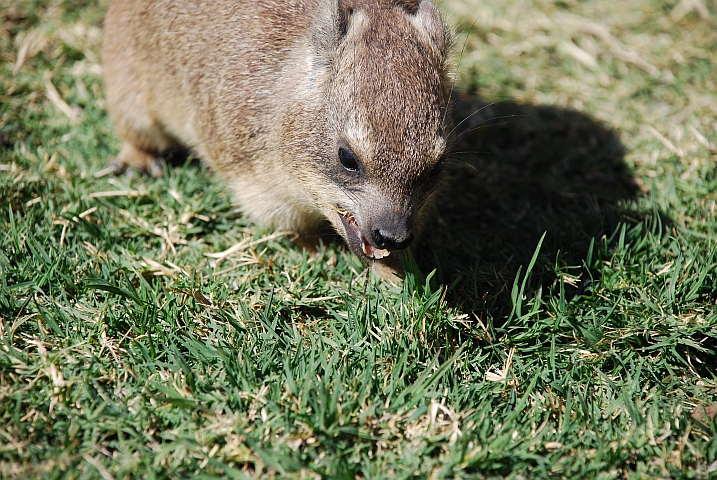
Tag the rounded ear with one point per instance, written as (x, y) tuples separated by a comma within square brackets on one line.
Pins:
[(410, 6), (344, 9), (428, 19), (331, 24)]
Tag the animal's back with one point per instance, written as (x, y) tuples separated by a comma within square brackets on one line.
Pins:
[(157, 56)]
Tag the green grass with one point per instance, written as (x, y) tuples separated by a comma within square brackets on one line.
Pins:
[(559, 321)]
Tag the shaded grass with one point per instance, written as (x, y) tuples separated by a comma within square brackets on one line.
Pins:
[(569, 329)]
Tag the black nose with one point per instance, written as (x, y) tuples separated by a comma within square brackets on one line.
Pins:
[(385, 241)]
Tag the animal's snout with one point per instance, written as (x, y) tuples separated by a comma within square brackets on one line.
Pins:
[(392, 240)]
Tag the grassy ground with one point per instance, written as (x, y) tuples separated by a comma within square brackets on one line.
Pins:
[(131, 346)]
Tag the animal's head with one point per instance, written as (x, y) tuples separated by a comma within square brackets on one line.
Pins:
[(381, 68)]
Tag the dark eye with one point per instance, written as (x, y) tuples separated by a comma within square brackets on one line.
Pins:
[(436, 169), (348, 160)]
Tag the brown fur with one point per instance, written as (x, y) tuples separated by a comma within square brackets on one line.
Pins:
[(267, 92)]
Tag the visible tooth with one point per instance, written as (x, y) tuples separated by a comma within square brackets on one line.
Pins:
[(375, 253)]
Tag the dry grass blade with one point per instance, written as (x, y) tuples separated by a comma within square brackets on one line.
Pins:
[(616, 47), (73, 113), (243, 245), (579, 54), (668, 144), (115, 193), (29, 44), (686, 6)]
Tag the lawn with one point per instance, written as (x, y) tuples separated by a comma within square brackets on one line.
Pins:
[(559, 319)]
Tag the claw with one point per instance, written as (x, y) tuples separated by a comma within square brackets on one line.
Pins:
[(155, 167), (116, 167)]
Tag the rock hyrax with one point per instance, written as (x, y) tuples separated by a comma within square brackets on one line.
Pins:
[(315, 112)]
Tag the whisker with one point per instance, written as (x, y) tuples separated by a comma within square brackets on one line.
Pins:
[(474, 113), (479, 126), (348, 192), (463, 152), (455, 74), (468, 164)]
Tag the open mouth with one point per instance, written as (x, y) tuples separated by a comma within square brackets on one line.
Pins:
[(353, 229)]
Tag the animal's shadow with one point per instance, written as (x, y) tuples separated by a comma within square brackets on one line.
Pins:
[(516, 171), (520, 171)]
